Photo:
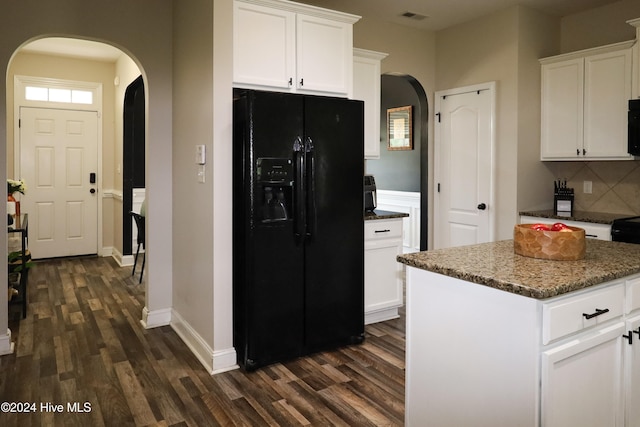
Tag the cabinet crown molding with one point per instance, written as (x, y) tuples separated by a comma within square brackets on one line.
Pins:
[(588, 52), (371, 54), (306, 9)]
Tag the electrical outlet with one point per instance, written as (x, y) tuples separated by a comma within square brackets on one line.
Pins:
[(587, 187)]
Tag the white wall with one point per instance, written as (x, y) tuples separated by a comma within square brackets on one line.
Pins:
[(202, 295), (599, 26)]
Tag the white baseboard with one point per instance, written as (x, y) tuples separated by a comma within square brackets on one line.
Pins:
[(106, 251), (381, 315), (6, 346), (122, 260), (214, 362), (155, 318), (225, 360)]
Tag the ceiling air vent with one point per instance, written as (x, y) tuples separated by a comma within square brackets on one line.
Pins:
[(413, 15)]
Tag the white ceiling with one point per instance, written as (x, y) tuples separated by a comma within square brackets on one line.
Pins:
[(445, 13), (74, 48), (438, 14)]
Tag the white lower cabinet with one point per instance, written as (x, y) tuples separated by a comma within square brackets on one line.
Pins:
[(383, 292), (483, 357), (582, 380), (632, 373)]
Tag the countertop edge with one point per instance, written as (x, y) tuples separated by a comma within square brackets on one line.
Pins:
[(512, 272), (520, 289), (377, 215)]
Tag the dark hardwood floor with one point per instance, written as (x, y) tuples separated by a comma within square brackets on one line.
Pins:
[(82, 344)]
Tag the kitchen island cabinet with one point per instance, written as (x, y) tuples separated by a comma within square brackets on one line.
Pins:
[(495, 338)]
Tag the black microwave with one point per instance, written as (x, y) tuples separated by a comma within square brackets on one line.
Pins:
[(634, 127)]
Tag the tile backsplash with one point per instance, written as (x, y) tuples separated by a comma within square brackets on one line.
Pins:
[(615, 185)]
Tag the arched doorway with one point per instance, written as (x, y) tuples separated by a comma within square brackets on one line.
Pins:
[(57, 59), (404, 171), (112, 69), (140, 31)]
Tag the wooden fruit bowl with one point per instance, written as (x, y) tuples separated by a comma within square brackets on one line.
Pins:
[(553, 245)]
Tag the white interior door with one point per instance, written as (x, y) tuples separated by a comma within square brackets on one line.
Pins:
[(58, 154), (463, 166)]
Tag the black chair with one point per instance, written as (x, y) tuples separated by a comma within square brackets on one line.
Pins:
[(139, 219)]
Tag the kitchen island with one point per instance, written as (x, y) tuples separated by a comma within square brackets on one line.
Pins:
[(498, 339)]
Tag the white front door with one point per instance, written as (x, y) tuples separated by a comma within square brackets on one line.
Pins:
[(58, 155), (463, 166)]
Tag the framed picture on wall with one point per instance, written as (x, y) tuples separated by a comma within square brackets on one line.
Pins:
[(400, 128)]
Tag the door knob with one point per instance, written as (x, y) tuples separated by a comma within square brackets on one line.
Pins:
[(482, 206), (93, 190)]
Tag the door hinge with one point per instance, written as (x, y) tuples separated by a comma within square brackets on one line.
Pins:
[(438, 114), (438, 187), (19, 123)]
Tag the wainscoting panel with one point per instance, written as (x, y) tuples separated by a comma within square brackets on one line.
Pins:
[(406, 202)]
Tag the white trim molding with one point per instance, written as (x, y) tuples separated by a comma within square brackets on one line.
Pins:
[(6, 346), (155, 318), (215, 362)]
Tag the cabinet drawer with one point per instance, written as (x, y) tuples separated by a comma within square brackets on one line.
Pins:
[(633, 294), (383, 229), (573, 314)]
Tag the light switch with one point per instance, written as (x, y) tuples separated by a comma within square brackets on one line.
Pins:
[(587, 187), (201, 174), (201, 154)]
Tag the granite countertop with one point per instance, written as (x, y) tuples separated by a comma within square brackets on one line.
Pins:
[(595, 217), (496, 265), (377, 214)]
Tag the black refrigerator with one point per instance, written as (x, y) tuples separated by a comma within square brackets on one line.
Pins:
[(298, 232)]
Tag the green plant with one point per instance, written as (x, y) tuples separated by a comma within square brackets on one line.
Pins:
[(15, 256)]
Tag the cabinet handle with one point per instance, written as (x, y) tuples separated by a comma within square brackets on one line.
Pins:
[(301, 82), (382, 231), (593, 236), (637, 332), (629, 337), (597, 313), (577, 151), (584, 151), (290, 81)]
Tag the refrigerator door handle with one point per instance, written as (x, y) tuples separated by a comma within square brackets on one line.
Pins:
[(299, 203), (311, 195)]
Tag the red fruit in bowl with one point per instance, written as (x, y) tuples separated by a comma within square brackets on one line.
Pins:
[(558, 226), (540, 227)]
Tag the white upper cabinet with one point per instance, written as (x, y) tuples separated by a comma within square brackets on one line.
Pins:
[(286, 46), (264, 45), (366, 87), (584, 104)]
